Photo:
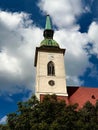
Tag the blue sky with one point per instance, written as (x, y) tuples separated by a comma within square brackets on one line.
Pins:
[(21, 30)]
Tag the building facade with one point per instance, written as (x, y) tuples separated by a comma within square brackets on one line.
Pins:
[(49, 63), (50, 73)]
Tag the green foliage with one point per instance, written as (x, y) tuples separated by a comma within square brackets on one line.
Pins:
[(88, 117), (4, 127), (52, 114), (21, 120)]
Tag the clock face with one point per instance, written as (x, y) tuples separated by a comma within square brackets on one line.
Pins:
[(51, 82)]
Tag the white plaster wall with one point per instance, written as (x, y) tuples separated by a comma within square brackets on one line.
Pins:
[(42, 79)]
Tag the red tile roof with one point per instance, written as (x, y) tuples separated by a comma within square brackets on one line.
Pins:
[(81, 95), (78, 95)]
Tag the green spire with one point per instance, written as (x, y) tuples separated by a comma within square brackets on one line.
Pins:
[(48, 23), (48, 35)]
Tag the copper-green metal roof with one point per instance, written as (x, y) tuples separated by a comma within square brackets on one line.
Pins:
[(48, 35), (48, 23), (49, 42)]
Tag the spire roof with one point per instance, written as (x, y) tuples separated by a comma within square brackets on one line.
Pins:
[(48, 35), (48, 23)]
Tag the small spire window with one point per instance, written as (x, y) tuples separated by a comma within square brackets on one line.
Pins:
[(50, 69)]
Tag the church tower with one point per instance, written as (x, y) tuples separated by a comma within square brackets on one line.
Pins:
[(49, 63)]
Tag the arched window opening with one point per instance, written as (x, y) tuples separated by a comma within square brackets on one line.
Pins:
[(50, 69)]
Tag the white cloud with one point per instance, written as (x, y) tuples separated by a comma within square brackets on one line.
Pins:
[(93, 36), (13, 20), (73, 81), (17, 49), (9, 64), (63, 12), (3, 120), (76, 58), (19, 37)]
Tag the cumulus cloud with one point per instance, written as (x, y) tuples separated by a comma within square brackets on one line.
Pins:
[(93, 36), (17, 45), (76, 58), (19, 37), (14, 20), (3, 120), (63, 12)]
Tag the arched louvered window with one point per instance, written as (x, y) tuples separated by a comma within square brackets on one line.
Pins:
[(50, 69)]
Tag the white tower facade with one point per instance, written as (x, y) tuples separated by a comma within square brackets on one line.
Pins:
[(49, 63)]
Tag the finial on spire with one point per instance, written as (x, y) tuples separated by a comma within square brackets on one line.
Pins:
[(48, 32)]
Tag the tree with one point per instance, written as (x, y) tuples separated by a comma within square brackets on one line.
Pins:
[(4, 127), (50, 114), (53, 114), (20, 120), (88, 118)]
